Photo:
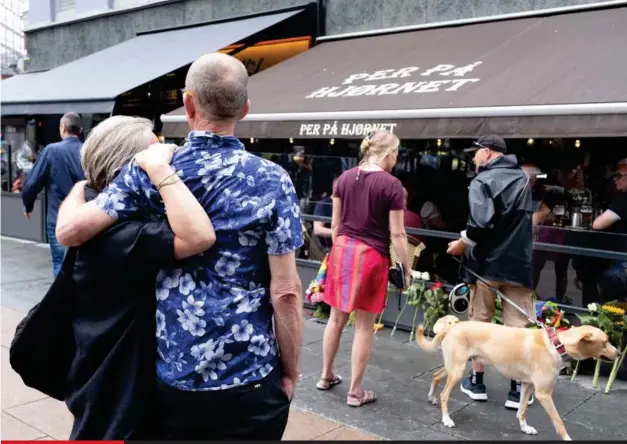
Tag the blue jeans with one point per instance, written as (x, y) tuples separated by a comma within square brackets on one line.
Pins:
[(614, 282), (56, 250)]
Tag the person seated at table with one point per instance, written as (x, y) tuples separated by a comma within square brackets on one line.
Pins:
[(613, 281), (322, 230)]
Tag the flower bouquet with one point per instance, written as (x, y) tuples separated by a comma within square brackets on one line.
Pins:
[(425, 296), (549, 314), (315, 292), (611, 319)]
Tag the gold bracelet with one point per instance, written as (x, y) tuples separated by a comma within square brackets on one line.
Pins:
[(162, 183)]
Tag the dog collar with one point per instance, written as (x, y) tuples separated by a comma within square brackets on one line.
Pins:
[(559, 347)]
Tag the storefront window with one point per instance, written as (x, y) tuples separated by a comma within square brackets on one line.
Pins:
[(573, 264)]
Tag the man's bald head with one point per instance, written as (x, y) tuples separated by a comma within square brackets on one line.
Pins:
[(218, 85)]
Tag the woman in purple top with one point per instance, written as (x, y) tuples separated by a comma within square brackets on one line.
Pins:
[(368, 213)]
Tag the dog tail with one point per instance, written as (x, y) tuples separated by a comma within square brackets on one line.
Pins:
[(433, 344)]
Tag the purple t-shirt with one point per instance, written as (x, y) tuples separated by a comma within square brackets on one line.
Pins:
[(367, 199)]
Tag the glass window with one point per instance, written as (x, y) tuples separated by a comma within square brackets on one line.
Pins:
[(572, 263)]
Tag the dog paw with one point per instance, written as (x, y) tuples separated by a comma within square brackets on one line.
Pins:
[(448, 422), (433, 400), (528, 430)]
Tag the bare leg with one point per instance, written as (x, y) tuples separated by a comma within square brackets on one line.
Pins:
[(362, 346), (438, 376), (331, 341), (525, 394), (477, 366), (545, 396), (455, 373)]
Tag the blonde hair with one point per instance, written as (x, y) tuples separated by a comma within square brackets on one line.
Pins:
[(111, 145), (378, 144)]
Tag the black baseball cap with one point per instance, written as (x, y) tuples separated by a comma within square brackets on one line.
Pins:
[(495, 143)]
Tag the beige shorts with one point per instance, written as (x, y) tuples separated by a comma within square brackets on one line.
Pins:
[(483, 303)]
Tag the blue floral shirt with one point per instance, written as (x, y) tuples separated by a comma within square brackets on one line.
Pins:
[(214, 317)]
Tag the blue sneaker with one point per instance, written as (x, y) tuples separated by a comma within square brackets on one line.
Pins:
[(473, 387), (513, 397)]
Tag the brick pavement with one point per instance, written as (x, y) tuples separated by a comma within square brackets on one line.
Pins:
[(30, 415), (399, 372)]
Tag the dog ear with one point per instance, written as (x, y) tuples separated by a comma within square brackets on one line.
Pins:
[(586, 337)]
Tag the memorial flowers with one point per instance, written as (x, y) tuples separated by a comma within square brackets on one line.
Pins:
[(426, 296), (612, 320)]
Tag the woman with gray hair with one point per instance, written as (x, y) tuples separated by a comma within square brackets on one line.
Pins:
[(112, 379)]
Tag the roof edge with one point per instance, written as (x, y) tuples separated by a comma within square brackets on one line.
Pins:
[(436, 113), (300, 7), (475, 20)]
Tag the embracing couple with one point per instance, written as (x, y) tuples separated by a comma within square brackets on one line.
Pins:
[(186, 301)]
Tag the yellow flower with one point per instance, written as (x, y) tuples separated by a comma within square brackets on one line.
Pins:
[(614, 310)]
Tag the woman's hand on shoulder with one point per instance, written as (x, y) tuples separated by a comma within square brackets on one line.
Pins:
[(157, 155)]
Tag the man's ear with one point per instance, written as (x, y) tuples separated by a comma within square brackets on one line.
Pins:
[(190, 108), (245, 110)]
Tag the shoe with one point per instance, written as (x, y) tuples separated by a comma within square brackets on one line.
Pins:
[(473, 387), (513, 397)]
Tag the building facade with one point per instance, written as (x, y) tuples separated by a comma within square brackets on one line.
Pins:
[(81, 27), (12, 49)]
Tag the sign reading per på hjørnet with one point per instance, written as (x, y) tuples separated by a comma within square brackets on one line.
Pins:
[(353, 85)]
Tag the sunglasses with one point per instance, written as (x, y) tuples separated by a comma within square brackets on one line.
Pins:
[(619, 176), (479, 145)]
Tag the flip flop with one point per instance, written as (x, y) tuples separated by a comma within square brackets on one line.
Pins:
[(326, 384), (366, 397)]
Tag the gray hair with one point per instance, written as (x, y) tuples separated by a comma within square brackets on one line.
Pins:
[(72, 123), (218, 84), (111, 145)]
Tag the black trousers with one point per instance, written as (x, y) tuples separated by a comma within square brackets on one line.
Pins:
[(257, 411)]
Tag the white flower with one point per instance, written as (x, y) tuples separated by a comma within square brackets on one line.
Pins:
[(259, 345), (212, 360), (282, 231), (167, 280), (425, 276), (266, 211), (227, 264), (111, 203), (186, 284), (295, 210), (593, 307), (248, 305), (265, 370), (160, 317), (194, 306), (190, 320), (248, 238), (286, 184), (242, 331)]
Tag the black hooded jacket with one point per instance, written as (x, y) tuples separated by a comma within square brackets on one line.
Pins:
[(499, 225)]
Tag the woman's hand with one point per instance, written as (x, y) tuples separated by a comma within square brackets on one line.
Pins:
[(157, 155)]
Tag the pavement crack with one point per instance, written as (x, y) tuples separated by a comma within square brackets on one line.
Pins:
[(578, 405)]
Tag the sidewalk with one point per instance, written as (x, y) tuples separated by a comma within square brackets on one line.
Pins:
[(30, 415), (399, 372)]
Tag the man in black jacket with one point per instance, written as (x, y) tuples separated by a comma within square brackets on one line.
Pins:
[(499, 241)]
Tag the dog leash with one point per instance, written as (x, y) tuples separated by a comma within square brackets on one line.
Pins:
[(551, 332), (500, 294)]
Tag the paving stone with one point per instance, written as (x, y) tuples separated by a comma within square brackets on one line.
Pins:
[(306, 426), (598, 411), (24, 262), (14, 392), (366, 418), (14, 429), (22, 296), (344, 433), (10, 319), (48, 415)]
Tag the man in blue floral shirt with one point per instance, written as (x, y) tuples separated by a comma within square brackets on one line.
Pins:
[(221, 373)]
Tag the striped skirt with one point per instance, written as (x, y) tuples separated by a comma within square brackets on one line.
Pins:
[(357, 277)]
